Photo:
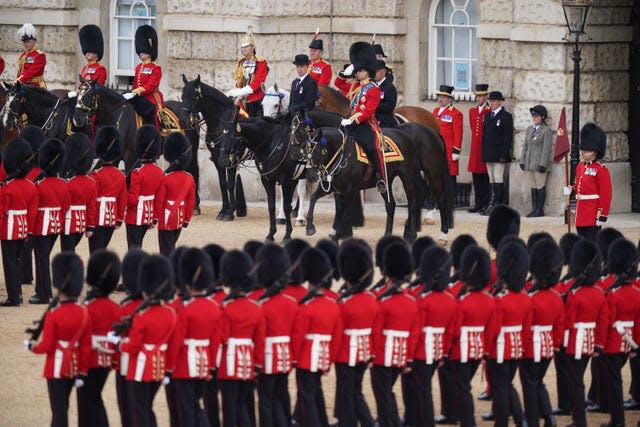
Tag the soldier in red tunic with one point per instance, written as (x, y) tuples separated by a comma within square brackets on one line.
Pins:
[(92, 49), (66, 337), (111, 200), (31, 62), (83, 192), (18, 208), (319, 69), (476, 166), (103, 274), (175, 197), (243, 340), (451, 128), (144, 180)]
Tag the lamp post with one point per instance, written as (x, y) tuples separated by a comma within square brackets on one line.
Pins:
[(576, 13)]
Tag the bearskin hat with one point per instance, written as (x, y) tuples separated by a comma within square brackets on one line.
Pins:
[(503, 220), (382, 245), (355, 264), (605, 238), (475, 268), (593, 138), (536, 237), (273, 264), (91, 40), (294, 249), (27, 32), (377, 48), (545, 262), (458, 246), (623, 258), (34, 136), (155, 273), (79, 153), (51, 156), (363, 55), (147, 142), (177, 150), (67, 273), (130, 266), (108, 144), (147, 41), (174, 259), (236, 270), (251, 247), (435, 268), (418, 247), (215, 253), (196, 269), (103, 271), (567, 242), (316, 267), (396, 261), (511, 238), (15, 157), (513, 264), (586, 261), (332, 250)]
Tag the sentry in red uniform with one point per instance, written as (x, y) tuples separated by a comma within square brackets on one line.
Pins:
[(451, 123), (593, 193), (359, 312)]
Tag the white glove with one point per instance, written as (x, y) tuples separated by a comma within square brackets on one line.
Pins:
[(72, 94), (128, 95), (348, 71), (165, 381), (567, 190), (27, 345), (346, 122), (78, 383), (455, 156), (599, 223), (113, 338), (240, 92)]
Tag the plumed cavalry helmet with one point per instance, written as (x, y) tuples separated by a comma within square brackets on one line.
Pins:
[(248, 39), (108, 144), (67, 273), (176, 149), (147, 142), (363, 55), (593, 138), (51, 156), (79, 153), (27, 32), (91, 40), (147, 41)]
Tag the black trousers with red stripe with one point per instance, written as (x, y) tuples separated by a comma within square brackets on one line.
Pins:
[(611, 365), (534, 392), (464, 373), (42, 246), (382, 380), (167, 240), (505, 397), (188, 393), (236, 410), (135, 235), (211, 404), (59, 392), (576, 378), (70, 241), (423, 374), (311, 399), (91, 410), (351, 406), (100, 239), (11, 250), (448, 392), (563, 384), (26, 262), (123, 391), (142, 394), (274, 402)]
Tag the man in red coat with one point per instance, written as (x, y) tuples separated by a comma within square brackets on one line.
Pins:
[(250, 75), (31, 62), (476, 166), (451, 122), (319, 69), (92, 49)]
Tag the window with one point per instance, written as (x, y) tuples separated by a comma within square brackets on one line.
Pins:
[(454, 47), (127, 16)]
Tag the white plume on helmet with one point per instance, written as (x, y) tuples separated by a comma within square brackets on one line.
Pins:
[(27, 31)]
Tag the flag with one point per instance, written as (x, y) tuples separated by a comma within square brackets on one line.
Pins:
[(562, 146)]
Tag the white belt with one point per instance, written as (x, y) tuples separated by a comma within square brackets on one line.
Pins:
[(268, 350), (193, 355), (354, 336), (587, 196), (538, 330), (46, 218), (167, 212), (103, 207), (140, 207), (430, 333), (142, 359), (11, 213), (97, 343), (57, 361), (232, 343), (622, 325), (391, 335), (317, 340), (67, 217), (464, 340), (500, 341), (581, 327)]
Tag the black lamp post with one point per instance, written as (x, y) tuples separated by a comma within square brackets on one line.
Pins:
[(576, 12)]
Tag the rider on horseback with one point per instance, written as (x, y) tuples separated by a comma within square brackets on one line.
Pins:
[(32, 61), (92, 48), (363, 124), (319, 69)]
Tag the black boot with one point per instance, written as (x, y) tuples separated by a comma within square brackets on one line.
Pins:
[(499, 193), (534, 202), (542, 196), (492, 200)]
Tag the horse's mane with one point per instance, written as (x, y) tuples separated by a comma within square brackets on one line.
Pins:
[(217, 95), (37, 90)]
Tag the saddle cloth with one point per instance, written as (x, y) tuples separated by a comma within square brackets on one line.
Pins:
[(168, 120), (391, 152)]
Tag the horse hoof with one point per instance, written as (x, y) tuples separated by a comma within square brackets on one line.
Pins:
[(285, 239), (299, 222), (197, 212), (443, 242), (311, 230), (241, 213), (220, 216), (269, 239), (280, 221), (227, 217)]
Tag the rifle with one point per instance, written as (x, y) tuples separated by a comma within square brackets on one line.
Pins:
[(71, 172), (94, 292), (278, 285), (350, 290), (140, 159), (100, 162), (465, 287), (121, 328), (196, 275), (26, 163), (581, 277), (36, 331), (395, 288), (174, 165), (43, 174)]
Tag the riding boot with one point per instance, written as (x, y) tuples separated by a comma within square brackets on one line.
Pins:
[(379, 170), (542, 196), (499, 193), (492, 200), (534, 202)]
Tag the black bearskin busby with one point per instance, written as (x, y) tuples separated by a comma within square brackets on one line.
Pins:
[(103, 271), (67, 273), (79, 154), (458, 246), (623, 258), (503, 221), (177, 151), (147, 41), (586, 262), (605, 238), (363, 55), (513, 264), (215, 253), (294, 249), (130, 266), (356, 265), (196, 269), (396, 261), (511, 238), (536, 237), (593, 138), (15, 158), (567, 242), (332, 250), (435, 268), (147, 142), (545, 263), (382, 245), (236, 271), (273, 264), (34, 136), (108, 144), (475, 268), (51, 156), (91, 40), (418, 247), (316, 267), (155, 274), (251, 247)]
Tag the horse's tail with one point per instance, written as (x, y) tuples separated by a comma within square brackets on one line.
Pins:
[(241, 202), (448, 192)]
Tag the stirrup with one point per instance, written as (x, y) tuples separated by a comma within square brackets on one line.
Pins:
[(381, 186)]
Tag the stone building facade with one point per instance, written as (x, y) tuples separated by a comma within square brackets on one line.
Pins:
[(515, 46)]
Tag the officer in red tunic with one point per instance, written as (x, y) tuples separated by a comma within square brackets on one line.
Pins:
[(243, 340), (92, 49), (319, 69), (111, 200), (83, 192), (451, 128), (31, 62), (66, 337), (280, 309), (476, 166), (592, 186), (144, 180), (18, 206), (53, 203), (103, 274), (175, 197), (250, 75)]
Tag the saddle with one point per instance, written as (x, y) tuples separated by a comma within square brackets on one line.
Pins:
[(391, 152), (168, 120)]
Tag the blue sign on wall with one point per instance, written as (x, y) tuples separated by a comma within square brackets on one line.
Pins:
[(462, 76)]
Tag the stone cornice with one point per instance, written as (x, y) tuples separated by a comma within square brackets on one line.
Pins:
[(39, 17), (552, 34)]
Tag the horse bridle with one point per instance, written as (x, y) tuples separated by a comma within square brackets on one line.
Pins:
[(327, 170), (280, 98)]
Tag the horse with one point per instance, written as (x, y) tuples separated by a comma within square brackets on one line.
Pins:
[(110, 108), (423, 150), (214, 106)]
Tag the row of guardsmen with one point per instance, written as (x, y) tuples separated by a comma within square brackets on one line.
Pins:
[(418, 318), (48, 189)]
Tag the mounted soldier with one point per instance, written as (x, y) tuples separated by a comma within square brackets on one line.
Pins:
[(31, 62), (92, 45), (319, 69)]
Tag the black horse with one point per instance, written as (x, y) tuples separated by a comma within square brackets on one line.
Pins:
[(215, 107), (333, 155)]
